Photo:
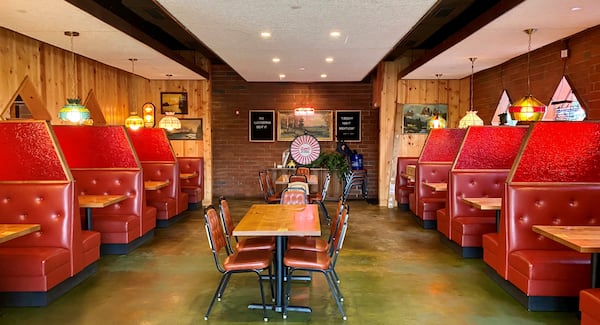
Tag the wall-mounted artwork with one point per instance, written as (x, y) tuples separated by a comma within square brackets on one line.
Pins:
[(347, 126), (191, 129), (319, 125), (173, 102), (416, 116), (262, 126)]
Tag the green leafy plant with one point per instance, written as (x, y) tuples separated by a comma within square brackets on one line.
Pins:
[(335, 162)]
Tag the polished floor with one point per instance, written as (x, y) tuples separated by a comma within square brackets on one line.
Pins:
[(392, 272)]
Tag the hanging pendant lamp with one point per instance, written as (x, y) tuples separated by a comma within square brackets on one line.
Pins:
[(134, 121), (471, 117), (74, 111), (436, 121), (528, 108), (169, 122)]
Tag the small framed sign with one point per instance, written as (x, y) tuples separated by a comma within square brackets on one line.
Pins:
[(262, 126), (347, 126)]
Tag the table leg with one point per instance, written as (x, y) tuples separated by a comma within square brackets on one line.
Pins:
[(279, 273), (88, 216), (497, 220), (595, 271)]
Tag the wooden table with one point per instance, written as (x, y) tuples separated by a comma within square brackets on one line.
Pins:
[(10, 231), (155, 185), (187, 175), (280, 221), (584, 239), (97, 201), (284, 179), (437, 187), (486, 204)]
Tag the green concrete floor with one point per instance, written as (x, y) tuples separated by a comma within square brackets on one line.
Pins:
[(392, 272)]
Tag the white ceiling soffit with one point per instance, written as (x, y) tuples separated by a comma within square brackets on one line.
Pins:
[(47, 20), (300, 34), (504, 38)]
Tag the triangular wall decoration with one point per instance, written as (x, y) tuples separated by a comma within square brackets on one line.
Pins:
[(95, 112), (32, 99)]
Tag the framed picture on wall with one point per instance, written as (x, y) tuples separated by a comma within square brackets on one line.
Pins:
[(173, 102), (319, 125), (347, 126), (262, 126), (191, 129), (417, 116)]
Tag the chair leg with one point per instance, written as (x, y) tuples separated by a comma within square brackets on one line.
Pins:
[(217, 293), (262, 297), (223, 285), (325, 213), (334, 289), (286, 296), (333, 276)]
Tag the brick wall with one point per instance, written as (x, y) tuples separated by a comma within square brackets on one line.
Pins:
[(582, 69), (236, 161)]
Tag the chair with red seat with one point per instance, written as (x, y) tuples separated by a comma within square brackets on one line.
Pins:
[(240, 262), (298, 178), (244, 244), (268, 194), (320, 197), (294, 195), (323, 262), (315, 243)]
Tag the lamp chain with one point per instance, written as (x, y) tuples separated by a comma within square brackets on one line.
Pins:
[(471, 86), (529, 32)]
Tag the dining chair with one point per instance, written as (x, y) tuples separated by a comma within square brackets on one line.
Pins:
[(250, 243), (301, 185), (318, 244), (294, 195), (298, 178), (303, 171), (322, 262), (239, 262), (319, 198), (268, 196)]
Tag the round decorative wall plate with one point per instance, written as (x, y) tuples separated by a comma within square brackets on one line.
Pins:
[(305, 149)]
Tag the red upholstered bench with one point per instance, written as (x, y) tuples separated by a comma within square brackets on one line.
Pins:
[(194, 187), (169, 201), (404, 186)]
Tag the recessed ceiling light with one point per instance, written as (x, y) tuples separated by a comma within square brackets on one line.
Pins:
[(276, 60), (335, 34), (301, 69), (576, 8), (281, 76), (323, 75), (329, 59), (265, 34)]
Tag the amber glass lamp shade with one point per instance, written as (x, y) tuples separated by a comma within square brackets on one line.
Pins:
[(134, 122), (527, 109), (471, 118), (169, 122), (73, 111), (436, 122), (148, 113)]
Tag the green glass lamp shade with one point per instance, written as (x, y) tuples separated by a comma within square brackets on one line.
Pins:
[(73, 111), (527, 109)]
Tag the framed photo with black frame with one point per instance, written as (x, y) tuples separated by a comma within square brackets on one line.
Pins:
[(191, 129), (261, 127), (347, 126), (175, 102)]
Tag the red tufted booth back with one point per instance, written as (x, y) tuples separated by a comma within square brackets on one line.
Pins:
[(191, 165), (50, 204), (401, 182), (556, 204), (481, 183), (162, 171), (429, 172)]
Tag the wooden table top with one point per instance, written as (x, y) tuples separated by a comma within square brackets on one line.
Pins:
[(187, 175), (280, 220), (99, 201), (284, 179), (484, 203), (155, 185), (10, 231), (584, 239), (438, 187)]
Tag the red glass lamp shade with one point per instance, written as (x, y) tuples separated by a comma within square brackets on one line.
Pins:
[(527, 109)]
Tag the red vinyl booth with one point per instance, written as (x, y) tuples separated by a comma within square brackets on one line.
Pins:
[(404, 186), (474, 177), (555, 180), (159, 164), (103, 161), (433, 166), (194, 187), (37, 187)]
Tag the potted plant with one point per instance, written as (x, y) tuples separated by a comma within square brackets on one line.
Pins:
[(338, 165)]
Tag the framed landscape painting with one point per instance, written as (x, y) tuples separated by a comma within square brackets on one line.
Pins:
[(319, 125)]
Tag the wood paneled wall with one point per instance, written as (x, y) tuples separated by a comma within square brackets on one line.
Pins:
[(117, 92), (396, 93)]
